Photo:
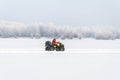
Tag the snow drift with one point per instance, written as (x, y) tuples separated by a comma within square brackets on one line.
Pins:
[(38, 30)]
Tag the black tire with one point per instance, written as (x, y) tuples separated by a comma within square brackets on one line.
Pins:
[(47, 43), (47, 49), (62, 49), (51, 48), (57, 49)]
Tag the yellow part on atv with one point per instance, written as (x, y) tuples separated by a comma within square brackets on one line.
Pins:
[(58, 44), (54, 46)]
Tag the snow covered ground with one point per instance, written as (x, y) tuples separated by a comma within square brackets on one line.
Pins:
[(86, 59), (11, 45)]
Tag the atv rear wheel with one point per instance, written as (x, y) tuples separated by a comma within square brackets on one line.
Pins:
[(49, 49)]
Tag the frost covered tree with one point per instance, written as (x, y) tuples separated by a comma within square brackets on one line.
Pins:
[(37, 30)]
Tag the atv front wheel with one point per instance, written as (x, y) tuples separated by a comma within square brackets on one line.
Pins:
[(62, 49)]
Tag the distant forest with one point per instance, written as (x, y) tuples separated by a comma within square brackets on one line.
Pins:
[(37, 30)]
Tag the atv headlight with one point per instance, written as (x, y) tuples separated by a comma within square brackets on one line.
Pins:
[(58, 44), (54, 46)]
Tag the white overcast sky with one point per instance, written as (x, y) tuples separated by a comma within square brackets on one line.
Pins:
[(68, 12)]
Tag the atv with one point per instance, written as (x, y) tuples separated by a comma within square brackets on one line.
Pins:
[(51, 47)]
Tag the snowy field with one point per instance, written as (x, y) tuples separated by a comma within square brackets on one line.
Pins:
[(26, 45), (86, 59)]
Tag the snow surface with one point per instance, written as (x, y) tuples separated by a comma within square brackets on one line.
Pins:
[(86, 59), (78, 46)]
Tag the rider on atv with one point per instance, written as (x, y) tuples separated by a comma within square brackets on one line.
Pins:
[(54, 42)]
